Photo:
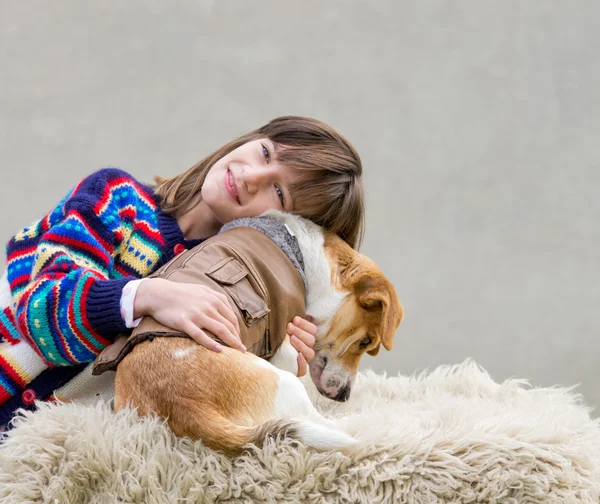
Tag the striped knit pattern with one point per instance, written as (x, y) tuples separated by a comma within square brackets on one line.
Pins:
[(8, 328), (19, 364), (67, 272), (106, 231)]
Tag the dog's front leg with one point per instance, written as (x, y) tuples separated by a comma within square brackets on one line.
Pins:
[(286, 357)]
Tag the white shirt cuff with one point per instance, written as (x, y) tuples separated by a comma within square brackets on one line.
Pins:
[(126, 303)]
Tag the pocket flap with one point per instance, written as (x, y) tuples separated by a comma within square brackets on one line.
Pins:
[(232, 275), (229, 271)]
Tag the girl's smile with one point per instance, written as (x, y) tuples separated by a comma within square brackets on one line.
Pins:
[(231, 186)]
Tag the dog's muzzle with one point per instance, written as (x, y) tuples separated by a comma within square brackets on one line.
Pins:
[(331, 381)]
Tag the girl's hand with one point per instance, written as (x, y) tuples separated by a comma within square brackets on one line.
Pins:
[(189, 308), (302, 337)]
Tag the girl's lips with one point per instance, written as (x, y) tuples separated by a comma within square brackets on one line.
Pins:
[(232, 190)]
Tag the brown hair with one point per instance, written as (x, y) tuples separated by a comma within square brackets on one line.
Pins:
[(329, 191)]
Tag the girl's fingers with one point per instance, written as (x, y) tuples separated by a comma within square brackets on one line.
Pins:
[(223, 333), (200, 337), (220, 318), (307, 338), (302, 366), (305, 325), (224, 308), (305, 350)]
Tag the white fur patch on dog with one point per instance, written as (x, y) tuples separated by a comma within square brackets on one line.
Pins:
[(453, 435), (182, 353)]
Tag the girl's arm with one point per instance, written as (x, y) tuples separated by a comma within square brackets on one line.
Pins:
[(65, 287)]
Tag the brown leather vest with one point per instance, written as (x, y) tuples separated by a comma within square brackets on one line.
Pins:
[(262, 285)]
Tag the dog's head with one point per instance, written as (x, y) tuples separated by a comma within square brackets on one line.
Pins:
[(366, 316)]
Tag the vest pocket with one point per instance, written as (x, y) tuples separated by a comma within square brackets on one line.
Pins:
[(232, 276)]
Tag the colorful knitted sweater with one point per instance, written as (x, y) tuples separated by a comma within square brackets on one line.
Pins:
[(66, 274)]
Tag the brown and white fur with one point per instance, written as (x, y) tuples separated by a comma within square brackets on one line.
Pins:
[(230, 399)]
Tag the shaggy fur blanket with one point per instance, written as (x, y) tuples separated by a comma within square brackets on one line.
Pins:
[(453, 435)]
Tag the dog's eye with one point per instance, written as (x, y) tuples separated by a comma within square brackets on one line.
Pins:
[(366, 342)]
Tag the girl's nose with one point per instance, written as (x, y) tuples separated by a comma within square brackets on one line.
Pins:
[(255, 178)]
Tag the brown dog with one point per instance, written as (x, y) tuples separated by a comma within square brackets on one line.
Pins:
[(230, 399)]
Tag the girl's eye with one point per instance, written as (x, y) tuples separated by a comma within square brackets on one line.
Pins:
[(281, 195), (266, 153), (366, 342)]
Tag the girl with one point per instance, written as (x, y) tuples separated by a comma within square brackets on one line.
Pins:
[(76, 275)]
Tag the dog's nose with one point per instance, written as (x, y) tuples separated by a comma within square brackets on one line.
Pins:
[(343, 394)]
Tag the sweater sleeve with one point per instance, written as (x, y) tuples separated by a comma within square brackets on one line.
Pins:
[(67, 301)]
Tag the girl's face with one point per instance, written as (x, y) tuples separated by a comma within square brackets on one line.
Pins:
[(247, 182)]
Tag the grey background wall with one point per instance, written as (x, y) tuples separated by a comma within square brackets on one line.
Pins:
[(477, 123)]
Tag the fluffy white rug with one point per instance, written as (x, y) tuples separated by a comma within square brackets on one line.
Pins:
[(452, 435)]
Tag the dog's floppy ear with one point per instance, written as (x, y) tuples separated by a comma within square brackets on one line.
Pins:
[(377, 293)]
